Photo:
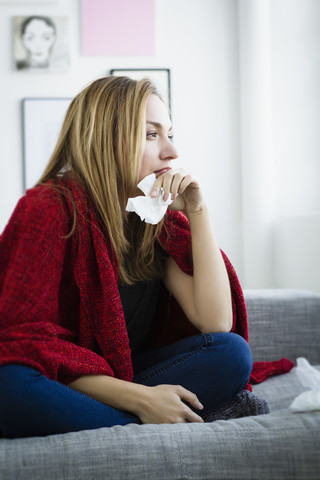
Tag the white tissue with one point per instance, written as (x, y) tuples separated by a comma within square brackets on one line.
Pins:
[(151, 210), (308, 375), (310, 378), (306, 402)]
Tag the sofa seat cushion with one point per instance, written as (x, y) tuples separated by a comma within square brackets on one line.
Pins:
[(279, 391), (273, 446)]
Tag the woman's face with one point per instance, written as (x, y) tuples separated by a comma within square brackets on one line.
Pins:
[(38, 40), (159, 150)]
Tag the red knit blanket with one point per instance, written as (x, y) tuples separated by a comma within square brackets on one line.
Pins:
[(60, 309)]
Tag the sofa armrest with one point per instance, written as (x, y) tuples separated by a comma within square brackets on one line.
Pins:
[(284, 323)]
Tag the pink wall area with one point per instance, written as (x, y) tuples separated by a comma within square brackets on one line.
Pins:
[(121, 27)]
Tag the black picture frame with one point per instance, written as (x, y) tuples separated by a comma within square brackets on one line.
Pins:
[(161, 78)]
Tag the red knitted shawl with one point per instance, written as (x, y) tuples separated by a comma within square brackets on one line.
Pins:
[(60, 309)]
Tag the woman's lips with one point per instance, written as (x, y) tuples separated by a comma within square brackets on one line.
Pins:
[(162, 171)]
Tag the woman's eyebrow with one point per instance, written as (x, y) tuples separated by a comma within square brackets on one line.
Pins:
[(157, 124)]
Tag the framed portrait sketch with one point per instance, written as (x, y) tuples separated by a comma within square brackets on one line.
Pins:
[(41, 120), (159, 76), (41, 44)]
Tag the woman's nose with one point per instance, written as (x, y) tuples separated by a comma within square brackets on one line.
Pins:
[(169, 152)]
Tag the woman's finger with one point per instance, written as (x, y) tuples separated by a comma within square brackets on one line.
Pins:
[(189, 397), (177, 183), (185, 182), (167, 184), (169, 181), (193, 417)]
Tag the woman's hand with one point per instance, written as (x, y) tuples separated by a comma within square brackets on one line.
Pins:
[(160, 404), (166, 404), (183, 189)]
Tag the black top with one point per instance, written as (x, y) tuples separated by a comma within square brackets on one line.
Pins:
[(139, 302)]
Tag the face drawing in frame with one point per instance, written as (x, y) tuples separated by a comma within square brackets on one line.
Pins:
[(38, 36)]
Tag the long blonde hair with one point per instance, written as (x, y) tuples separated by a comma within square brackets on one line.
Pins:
[(101, 144)]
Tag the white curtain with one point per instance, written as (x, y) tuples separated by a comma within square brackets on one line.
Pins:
[(279, 62)]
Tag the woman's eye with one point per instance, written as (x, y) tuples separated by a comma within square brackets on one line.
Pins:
[(170, 136), (151, 134)]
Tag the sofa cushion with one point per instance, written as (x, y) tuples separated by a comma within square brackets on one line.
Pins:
[(279, 391), (290, 322), (279, 445)]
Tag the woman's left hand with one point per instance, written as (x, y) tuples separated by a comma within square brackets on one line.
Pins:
[(183, 188)]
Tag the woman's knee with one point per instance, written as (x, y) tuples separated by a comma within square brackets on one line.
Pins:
[(236, 355)]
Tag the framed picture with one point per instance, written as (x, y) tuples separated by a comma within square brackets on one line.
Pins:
[(159, 76), (118, 27), (41, 120), (41, 43)]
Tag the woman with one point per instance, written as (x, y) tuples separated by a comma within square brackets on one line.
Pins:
[(87, 287)]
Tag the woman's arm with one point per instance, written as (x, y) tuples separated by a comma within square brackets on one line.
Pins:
[(159, 404), (205, 297)]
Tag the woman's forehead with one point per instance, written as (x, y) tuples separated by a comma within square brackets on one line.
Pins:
[(156, 112)]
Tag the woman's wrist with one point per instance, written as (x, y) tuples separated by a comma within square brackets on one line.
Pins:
[(128, 396), (189, 213), (138, 398)]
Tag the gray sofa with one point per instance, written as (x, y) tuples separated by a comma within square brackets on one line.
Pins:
[(280, 445)]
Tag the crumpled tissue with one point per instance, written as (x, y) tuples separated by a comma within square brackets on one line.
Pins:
[(310, 378), (149, 209)]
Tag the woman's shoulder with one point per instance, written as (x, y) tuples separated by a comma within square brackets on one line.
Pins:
[(40, 200), (55, 194), (40, 208), (40, 194)]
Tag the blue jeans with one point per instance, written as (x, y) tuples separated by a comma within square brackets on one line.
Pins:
[(213, 366)]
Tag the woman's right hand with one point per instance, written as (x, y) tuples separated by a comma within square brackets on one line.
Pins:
[(166, 404), (159, 404)]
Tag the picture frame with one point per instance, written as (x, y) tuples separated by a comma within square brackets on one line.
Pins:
[(42, 119), (113, 28), (41, 43), (159, 76)]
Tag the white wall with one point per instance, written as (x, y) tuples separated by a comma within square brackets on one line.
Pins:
[(246, 116), (255, 88), (279, 53), (197, 40), (296, 104), (295, 26)]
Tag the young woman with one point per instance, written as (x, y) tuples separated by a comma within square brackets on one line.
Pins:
[(104, 319)]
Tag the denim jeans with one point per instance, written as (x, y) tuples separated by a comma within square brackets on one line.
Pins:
[(213, 366)]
